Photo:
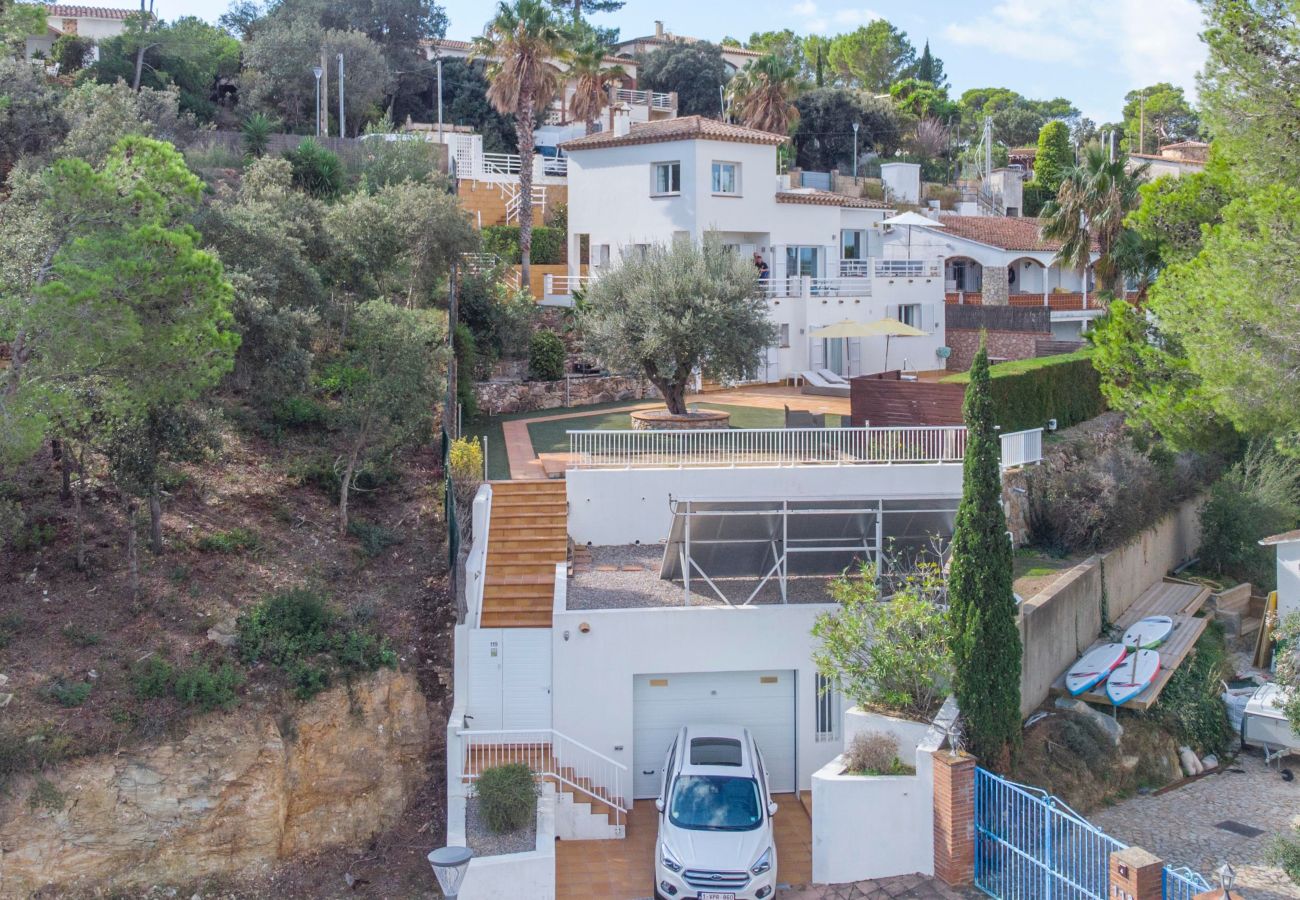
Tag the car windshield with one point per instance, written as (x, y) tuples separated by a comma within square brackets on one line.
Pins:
[(715, 803)]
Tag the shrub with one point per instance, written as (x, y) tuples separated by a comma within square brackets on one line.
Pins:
[(72, 53), (374, 538), (33, 536), (152, 678), (1258, 496), (68, 693), (299, 412), (207, 688), (45, 795), (10, 625), (233, 540), (875, 753), (1028, 392), (507, 797), (548, 244), (320, 472), (1284, 852), (466, 349), (887, 654), (1190, 706), (546, 357), (465, 462), (500, 321), (256, 134), (316, 170), (80, 637)]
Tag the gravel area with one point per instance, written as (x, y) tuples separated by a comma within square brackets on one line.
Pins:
[(628, 578), (485, 842)]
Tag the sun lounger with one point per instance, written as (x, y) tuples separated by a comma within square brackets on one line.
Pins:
[(814, 383), (832, 377)]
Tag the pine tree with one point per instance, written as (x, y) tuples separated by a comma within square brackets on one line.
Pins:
[(930, 68), (986, 643), (1055, 156)]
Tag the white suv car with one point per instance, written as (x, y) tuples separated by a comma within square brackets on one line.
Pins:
[(716, 839)]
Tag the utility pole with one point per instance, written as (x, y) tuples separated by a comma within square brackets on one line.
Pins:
[(439, 64), (1142, 122), (855, 152), (343, 128)]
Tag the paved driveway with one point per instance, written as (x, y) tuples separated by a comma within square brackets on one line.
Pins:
[(1181, 826)]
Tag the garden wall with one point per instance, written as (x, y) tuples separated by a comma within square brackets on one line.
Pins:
[(1011, 332), (498, 397), (1059, 624)]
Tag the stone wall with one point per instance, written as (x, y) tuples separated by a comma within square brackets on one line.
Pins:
[(238, 793), (498, 397), (1001, 344), (996, 287)]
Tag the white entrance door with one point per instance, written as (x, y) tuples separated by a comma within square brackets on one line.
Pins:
[(509, 678), (763, 702)]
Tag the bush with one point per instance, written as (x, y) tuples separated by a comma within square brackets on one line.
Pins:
[(316, 170), (320, 472), (892, 654), (1257, 497), (374, 538), (1029, 392), (206, 688), (72, 53), (548, 244), (256, 134), (152, 678), (466, 363), (234, 540), (1190, 706), (546, 356), (1284, 852), (875, 753), (507, 797), (465, 461), (68, 693), (80, 637), (299, 412), (499, 321)]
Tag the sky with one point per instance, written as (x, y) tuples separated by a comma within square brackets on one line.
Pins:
[(1091, 52)]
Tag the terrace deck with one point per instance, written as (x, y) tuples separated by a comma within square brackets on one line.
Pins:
[(1180, 600)]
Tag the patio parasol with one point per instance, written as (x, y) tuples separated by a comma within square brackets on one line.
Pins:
[(886, 328), (911, 220)]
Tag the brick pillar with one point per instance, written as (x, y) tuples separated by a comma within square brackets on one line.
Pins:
[(996, 287), (1135, 874), (954, 818)]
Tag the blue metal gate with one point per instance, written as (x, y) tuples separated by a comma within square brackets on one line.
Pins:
[(1031, 846), (1182, 884)]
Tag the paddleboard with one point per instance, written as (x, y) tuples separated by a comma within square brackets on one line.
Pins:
[(1148, 633), (1093, 667), (1133, 676)]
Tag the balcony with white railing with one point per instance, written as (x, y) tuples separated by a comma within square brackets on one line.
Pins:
[(653, 99), (563, 287), (736, 447), (808, 287), (1022, 448)]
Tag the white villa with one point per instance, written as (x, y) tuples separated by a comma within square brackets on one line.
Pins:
[(93, 22), (828, 255)]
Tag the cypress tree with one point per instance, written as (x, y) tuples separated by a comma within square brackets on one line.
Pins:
[(986, 642)]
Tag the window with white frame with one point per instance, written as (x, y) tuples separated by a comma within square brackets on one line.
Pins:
[(726, 178), (667, 178), (827, 707), (910, 314), (785, 336)]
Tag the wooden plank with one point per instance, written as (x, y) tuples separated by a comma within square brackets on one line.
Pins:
[(1165, 598), (1187, 630)]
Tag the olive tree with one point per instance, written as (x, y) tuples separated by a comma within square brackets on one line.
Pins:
[(679, 308)]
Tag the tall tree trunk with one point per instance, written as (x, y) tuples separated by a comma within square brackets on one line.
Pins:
[(674, 394), (76, 509), (524, 128), (155, 519), (345, 485), (60, 453), (577, 11), (132, 553), (591, 126), (139, 53)]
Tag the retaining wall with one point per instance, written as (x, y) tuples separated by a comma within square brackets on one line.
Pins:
[(498, 397)]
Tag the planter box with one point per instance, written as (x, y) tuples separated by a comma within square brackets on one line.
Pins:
[(511, 875), (910, 734)]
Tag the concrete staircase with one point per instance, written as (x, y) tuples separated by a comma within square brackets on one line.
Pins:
[(527, 536)]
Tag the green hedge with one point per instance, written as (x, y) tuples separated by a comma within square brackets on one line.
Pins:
[(503, 240), (1028, 392)]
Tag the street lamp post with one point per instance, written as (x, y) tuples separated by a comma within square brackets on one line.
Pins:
[(449, 865), (855, 152), (318, 72), (343, 131), (439, 101)]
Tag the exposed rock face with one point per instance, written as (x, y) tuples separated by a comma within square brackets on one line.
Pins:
[(239, 792)]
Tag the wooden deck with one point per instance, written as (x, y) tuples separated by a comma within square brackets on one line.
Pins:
[(1180, 600)]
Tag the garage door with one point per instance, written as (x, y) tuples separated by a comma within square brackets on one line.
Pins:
[(763, 702)]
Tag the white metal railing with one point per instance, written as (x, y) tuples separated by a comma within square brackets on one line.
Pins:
[(732, 447), (564, 285), (906, 268), (804, 286), (549, 754), (645, 98), (1022, 448), (501, 163), (476, 561), (661, 101), (855, 268)]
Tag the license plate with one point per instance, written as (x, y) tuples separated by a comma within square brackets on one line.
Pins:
[(717, 895)]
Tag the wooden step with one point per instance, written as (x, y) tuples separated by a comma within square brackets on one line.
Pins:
[(516, 619)]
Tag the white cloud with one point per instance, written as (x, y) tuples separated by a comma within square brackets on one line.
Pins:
[(804, 8), (855, 17)]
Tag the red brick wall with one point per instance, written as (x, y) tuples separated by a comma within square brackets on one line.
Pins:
[(954, 818), (1002, 344)]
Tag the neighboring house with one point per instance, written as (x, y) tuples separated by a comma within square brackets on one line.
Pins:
[(93, 22), (998, 260), (1182, 158), (1288, 571), (734, 57), (827, 260)]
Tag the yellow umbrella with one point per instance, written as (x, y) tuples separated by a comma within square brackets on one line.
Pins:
[(886, 328)]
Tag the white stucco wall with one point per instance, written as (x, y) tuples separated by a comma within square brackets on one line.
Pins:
[(592, 700), (512, 875), (611, 507), (902, 181), (1288, 578)]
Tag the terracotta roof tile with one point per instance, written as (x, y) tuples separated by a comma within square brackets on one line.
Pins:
[(827, 198), (685, 128), (68, 11), (1006, 232)]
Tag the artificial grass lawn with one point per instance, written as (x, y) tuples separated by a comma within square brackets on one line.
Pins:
[(552, 437)]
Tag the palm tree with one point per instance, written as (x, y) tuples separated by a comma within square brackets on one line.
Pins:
[(591, 81), (763, 94), (519, 44), (1090, 208)]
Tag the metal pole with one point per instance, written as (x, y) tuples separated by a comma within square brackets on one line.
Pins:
[(318, 72), (439, 64), (343, 129), (855, 152)]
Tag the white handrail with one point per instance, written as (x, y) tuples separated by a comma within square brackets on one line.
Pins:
[(906, 268), (548, 754), (732, 447), (476, 560), (1022, 448)]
